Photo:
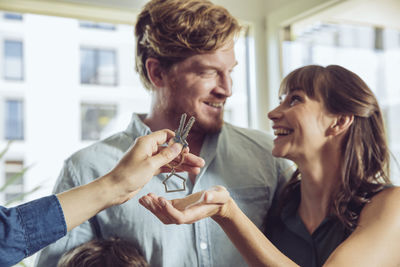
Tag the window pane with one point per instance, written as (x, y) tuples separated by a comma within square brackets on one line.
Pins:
[(88, 66), (98, 67), (94, 118), (16, 188), (12, 16), (94, 25), (14, 128), (106, 68), (13, 60)]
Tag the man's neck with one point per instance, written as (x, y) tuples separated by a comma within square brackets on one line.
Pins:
[(195, 142), (156, 123)]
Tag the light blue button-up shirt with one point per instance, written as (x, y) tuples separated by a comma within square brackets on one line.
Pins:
[(239, 159)]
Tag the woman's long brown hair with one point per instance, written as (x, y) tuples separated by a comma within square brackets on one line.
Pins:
[(365, 153)]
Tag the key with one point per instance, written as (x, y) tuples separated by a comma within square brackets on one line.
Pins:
[(182, 132), (180, 137)]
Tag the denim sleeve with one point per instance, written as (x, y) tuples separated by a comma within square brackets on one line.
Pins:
[(29, 227), (49, 256)]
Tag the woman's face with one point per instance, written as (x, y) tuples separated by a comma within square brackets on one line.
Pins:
[(300, 125)]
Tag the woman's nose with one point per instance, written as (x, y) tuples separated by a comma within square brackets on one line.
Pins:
[(275, 114)]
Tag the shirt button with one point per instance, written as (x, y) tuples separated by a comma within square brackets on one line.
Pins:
[(203, 245)]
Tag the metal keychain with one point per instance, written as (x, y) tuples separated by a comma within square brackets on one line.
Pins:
[(180, 137)]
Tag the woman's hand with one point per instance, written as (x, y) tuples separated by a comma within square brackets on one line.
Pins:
[(146, 158), (214, 202)]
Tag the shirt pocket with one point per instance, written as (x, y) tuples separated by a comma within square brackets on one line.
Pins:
[(253, 201)]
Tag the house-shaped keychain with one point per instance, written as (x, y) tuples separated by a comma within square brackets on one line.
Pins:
[(171, 175)]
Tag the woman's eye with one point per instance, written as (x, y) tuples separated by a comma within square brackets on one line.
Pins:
[(282, 98), (294, 100)]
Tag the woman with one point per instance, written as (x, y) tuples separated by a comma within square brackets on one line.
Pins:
[(29, 227), (339, 208)]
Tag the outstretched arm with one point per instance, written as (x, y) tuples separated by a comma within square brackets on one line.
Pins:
[(27, 228), (373, 243), (217, 204)]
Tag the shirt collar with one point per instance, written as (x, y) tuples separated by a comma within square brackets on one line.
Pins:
[(137, 127)]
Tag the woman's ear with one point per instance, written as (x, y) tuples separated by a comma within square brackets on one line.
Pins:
[(340, 124), (154, 72)]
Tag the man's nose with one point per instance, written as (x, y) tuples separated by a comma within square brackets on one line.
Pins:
[(225, 83)]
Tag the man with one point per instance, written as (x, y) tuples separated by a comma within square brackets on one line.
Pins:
[(185, 54)]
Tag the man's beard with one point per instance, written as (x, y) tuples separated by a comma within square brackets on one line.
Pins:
[(199, 127)]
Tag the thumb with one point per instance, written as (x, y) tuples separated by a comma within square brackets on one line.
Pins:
[(166, 155)]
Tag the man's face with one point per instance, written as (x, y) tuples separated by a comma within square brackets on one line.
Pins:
[(199, 86)]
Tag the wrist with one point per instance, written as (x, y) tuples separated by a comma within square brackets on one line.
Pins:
[(226, 211), (109, 190), (118, 188)]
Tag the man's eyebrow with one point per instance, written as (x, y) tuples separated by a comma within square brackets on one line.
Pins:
[(209, 66)]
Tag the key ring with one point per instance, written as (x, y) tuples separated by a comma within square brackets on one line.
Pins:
[(172, 167), (180, 137)]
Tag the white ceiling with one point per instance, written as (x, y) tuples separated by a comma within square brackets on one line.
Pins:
[(376, 12), (122, 4), (379, 13), (247, 10)]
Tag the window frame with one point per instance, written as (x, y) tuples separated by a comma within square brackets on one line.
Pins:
[(21, 123), (97, 51), (22, 59)]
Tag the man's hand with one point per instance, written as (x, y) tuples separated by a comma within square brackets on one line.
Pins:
[(215, 202)]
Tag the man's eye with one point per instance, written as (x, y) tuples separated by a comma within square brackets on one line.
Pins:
[(208, 73)]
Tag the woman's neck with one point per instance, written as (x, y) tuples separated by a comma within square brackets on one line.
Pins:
[(319, 179)]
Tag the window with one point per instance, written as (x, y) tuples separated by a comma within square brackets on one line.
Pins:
[(95, 118), (94, 25), (14, 176), (98, 67), (12, 16), (13, 60), (370, 52), (14, 119)]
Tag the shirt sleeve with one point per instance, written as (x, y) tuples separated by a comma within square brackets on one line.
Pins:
[(29, 227), (49, 256)]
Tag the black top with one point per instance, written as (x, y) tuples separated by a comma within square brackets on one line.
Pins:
[(289, 234)]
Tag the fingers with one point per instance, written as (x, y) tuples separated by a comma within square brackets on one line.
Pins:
[(216, 195), (183, 203), (162, 136), (151, 202), (192, 208), (164, 210), (193, 160), (166, 155), (155, 139), (191, 164)]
